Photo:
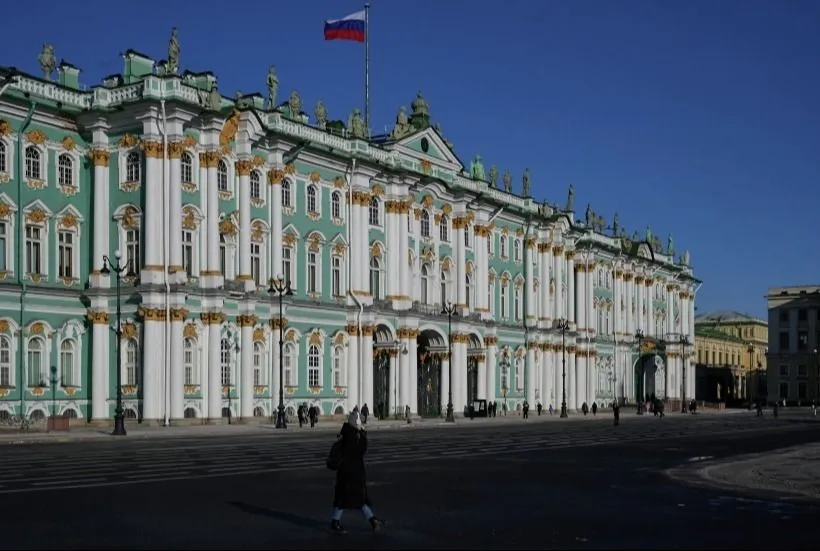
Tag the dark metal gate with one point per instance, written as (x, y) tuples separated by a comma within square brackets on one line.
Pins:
[(472, 380), (429, 386), (381, 384)]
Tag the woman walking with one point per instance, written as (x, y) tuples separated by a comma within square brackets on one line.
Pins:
[(351, 483)]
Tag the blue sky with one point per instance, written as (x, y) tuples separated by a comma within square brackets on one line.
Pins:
[(699, 118)]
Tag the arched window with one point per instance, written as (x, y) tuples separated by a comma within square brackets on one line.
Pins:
[(222, 175), (504, 310), (186, 168), (287, 200), (375, 212), (225, 361), (133, 167), (257, 364), (256, 185), (5, 361), (4, 165), (65, 170), (33, 163), (314, 366), (425, 224), (505, 377), (130, 361), (425, 285), (467, 235), (375, 277), (311, 199), (312, 272), (469, 288), (517, 250), (36, 361), (445, 295), (339, 379), (189, 370), (519, 374), (289, 357), (336, 205), (68, 367), (444, 228), (517, 303), (502, 243)]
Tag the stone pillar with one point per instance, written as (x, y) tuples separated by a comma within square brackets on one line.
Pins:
[(102, 213), (545, 315), (547, 378), (177, 363), (629, 314), (404, 335), (640, 319), (243, 169), (275, 177), (152, 219), (392, 285), (214, 321), (460, 371), (101, 365), (153, 360), (246, 323), (532, 369), (481, 374), (366, 375), (530, 313), (583, 378), (393, 390), (572, 297), (210, 160), (649, 289), (175, 150), (274, 324), (584, 324), (460, 253), (445, 384), (491, 343), (403, 208), (413, 387), (363, 268), (558, 268), (354, 361), (572, 378), (591, 308), (561, 365)]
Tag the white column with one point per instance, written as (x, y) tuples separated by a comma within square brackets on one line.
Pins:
[(364, 247), (583, 379), (581, 299), (413, 375), (275, 190), (101, 364), (572, 296), (152, 223), (404, 375), (558, 259), (460, 372), (392, 283), (590, 308), (460, 252), (353, 363), (530, 314), (246, 323), (532, 369), (559, 363), (102, 215), (175, 210), (482, 377), (152, 361), (214, 365), (393, 392), (490, 364), (177, 364), (210, 160), (445, 385), (243, 169), (650, 307), (572, 379), (404, 254), (544, 274), (366, 367), (274, 362), (547, 366)]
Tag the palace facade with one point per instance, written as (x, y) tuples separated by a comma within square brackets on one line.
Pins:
[(209, 198)]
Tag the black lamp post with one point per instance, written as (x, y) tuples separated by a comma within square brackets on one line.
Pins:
[(684, 342), (639, 338), (505, 370), (281, 288), (53, 379), (749, 384), (449, 310), (118, 268), (563, 327)]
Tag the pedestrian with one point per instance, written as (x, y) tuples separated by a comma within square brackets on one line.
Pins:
[(584, 409), (616, 412), (365, 414), (525, 409), (552, 410), (594, 408), (539, 407), (313, 414), (350, 491)]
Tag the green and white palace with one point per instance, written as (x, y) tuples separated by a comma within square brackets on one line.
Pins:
[(209, 198)]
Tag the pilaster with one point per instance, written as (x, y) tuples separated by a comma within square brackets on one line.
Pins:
[(153, 360), (460, 224), (403, 267), (213, 321), (275, 178), (177, 363), (491, 344), (366, 366), (354, 361), (175, 150), (558, 268), (544, 260), (530, 313), (246, 324), (100, 363), (405, 336), (152, 221), (572, 297), (100, 157), (243, 169), (532, 369)]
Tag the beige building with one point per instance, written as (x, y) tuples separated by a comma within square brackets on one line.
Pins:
[(794, 342), (731, 352)]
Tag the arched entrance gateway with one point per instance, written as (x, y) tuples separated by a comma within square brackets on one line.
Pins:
[(431, 350), (475, 355), (384, 347), (650, 371)]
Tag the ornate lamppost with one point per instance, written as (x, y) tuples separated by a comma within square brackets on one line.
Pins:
[(280, 287), (683, 340), (450, 310), (639, 338), (402, 349), (563, 327), (505, 370), (119, 268), (749, 384)]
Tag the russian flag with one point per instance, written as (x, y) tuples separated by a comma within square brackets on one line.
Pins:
[(350, 27)]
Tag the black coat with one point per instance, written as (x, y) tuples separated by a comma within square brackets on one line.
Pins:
[(350, 491)]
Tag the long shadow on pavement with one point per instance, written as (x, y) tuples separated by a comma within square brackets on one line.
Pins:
[(290, 518)]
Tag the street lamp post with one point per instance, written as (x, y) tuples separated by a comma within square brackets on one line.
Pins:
[(402, 349), (450, 310), (505, 370), (563, 327), (683, 340), (749, 383), (280, 287), (639, 338), (119, 268)]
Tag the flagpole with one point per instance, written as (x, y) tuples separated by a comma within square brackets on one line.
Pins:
[(367, 67)]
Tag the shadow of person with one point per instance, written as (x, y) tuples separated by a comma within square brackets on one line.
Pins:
[(295, 520)]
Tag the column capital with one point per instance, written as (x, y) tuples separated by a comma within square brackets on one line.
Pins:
[(212, 318), (278, 323), (151, 314), (179, 314), (246, 320), (153, 150), (97, 317), (99, 157)]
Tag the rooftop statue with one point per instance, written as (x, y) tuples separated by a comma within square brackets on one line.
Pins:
[(214, 100), (526, 182), (589, 215), (295, 105), (570, 199), (355, 125), (420, 106), (493, 176), (670, 246), (616, 225), (402, 127), (684, 259), (321, 115), (48, 61), (273, 87), (477, 169), (648, 234), (172, 66), (507, 181)]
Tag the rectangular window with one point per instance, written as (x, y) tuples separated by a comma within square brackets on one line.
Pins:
[(802, 371), (223, 256), (784, 341), (65, 242), (132, 250), (256, 263), (287, 264), (4, 245), (336, 276), (188, 252), (312, 275), (34, 250)]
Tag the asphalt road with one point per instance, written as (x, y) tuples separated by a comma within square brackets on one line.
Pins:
[(576, 485)]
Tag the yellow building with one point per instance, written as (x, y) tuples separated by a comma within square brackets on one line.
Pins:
[(731, 354)]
